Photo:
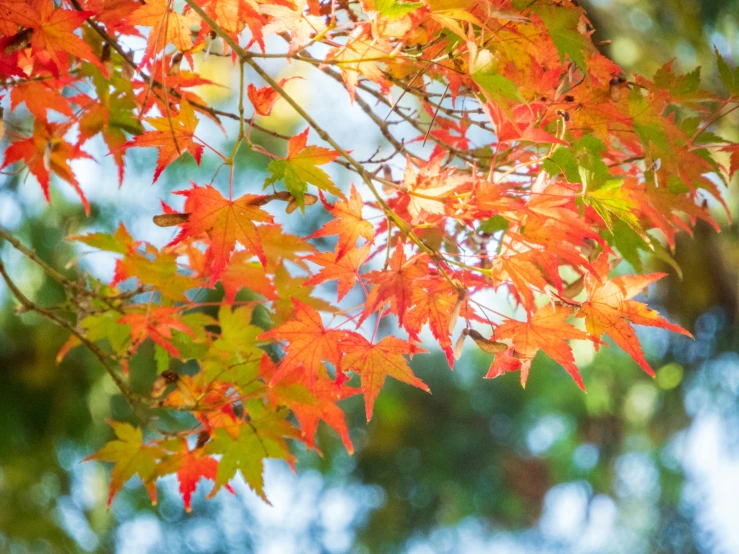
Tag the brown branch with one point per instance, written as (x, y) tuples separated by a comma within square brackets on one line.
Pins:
[(101, 355)]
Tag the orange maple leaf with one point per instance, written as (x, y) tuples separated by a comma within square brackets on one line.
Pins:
[(311, 407), (166, 26), (610, 310), (394, 284), (345, 269), (374, 362), (546, 330), (240, 272), (522, 274), (226, 221), (157, 323), (348, 223), (294, 20), (309, 343), (172, 135), (434, 301), (40, 97)]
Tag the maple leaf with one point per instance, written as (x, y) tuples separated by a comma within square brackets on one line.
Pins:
[(293, 20), (348, 224), (524, 276), (610, 310), (53, 38), (263, 437), (434, 301), (375, 362), (394, 284), (112, 116), (121, 241), (562, 23), (507, 361), (310, 407), (309, 342), (40, 97), (279, 246), (733, 150), (360, 56), (300, 168), (234, 15), (495, 86), (131, 457), (226, 222), (150, 267), (157, 324), (114, 14), (46, 152), (235, 353), (160, 272), (289, 287), (167, 26), (172, 136), (192, 466), (264, 99), (240, 272), (429, 186), (546, 330), (345, 269)]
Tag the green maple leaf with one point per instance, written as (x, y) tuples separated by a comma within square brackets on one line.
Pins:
[(728, 78), (612, 200), (131, 457), (300, 168), (258, 439), (562, 23), (393, 9)]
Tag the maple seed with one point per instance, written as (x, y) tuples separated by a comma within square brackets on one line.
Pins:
[(19, 41), (486, 345), (170, 220)]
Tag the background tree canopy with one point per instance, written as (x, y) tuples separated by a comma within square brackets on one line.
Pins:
[(635, 465)]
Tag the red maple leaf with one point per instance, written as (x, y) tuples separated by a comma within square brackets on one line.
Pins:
[(53, 39), (194, 465), (225, 221), (264, 99), (310, 407), (46, 152)]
